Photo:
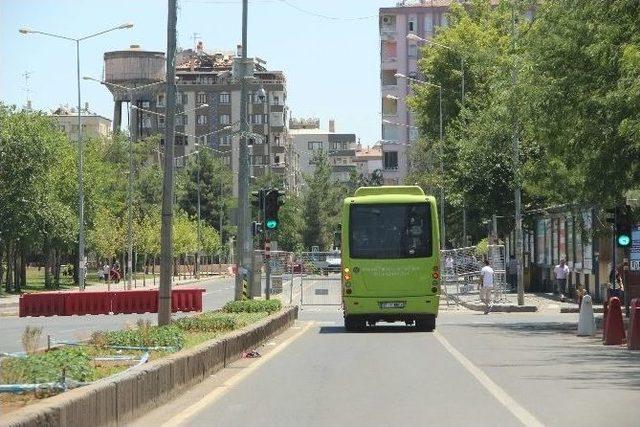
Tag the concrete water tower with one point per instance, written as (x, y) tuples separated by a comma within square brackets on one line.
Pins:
[(132, 68)]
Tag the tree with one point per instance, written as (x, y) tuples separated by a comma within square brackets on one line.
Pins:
[(321, 205)]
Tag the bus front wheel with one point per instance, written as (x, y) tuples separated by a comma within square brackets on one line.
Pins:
[(426, 324)]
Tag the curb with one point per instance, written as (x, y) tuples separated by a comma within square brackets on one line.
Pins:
[(118, 399), (500, 308), (577, 310)]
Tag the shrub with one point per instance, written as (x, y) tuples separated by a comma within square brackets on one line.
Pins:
[(143, 336), (208, 322), (48, 367), (253, 306)]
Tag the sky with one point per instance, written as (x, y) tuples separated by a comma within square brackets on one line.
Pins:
[(329, 50)]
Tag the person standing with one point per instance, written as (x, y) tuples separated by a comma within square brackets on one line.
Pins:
[(561, 271), (486, 285)]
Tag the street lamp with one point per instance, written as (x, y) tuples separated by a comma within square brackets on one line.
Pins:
[(416, 38), (442, 222), (130, 92), (81, 244)]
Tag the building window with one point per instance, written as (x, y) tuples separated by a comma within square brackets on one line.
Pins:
[(185, 99), (257, 160), (225, 140), (201, 98), (314, 145), (185, 119), (224, 98), (276, 100), (202, 119), (276, 140), (161, 100), (389, 106), (391, 160), (225, 119), (146, 123), (413, 134), (389, 50), (428, 24), (146, 104), (265, 118), (412, 26), (227, 160), (389, 78), (256, 119), (413, 50)]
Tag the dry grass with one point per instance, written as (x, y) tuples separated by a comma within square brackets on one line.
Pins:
[(31, 339)]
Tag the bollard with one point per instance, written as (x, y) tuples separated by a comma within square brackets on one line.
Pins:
[(605, 310), (614, 326), (586, 321), (633, 343)]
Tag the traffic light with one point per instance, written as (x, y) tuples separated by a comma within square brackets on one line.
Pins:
[(256, 228), (621, 220), (623, 226), (272, 204)]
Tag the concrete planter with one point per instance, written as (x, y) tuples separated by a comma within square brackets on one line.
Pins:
[(114, 400)]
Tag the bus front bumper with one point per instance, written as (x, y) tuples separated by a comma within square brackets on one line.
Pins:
[(389, 307)]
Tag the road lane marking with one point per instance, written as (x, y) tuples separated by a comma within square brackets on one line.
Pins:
[(525, 417), (220, 390)]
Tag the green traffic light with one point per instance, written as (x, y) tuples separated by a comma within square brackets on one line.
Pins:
[(624, 240), (271, 224)]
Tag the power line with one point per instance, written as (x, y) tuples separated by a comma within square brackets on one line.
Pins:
[(320, 15)]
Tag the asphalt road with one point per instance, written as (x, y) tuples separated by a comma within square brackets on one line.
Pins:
[(218, 292), (475, 370)]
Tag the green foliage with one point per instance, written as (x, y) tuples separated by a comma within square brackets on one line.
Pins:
[(143, 336), (322, 204), (253, 306), (215, 321), (75, 362), (185, 234), (210, 239)]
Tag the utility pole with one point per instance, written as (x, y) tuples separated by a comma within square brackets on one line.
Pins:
[(244, 238), (166, 250), (516, 165), (199, 218), (129, 205), (443, 238)]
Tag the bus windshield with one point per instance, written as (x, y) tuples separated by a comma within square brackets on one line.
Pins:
[(388, 231)]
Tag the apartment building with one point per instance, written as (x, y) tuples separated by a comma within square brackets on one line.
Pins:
[(307, 138), (93, 125), (399, 55), (208, 105), (368, 160)]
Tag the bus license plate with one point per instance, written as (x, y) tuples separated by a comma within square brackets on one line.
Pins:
[(392, 304)]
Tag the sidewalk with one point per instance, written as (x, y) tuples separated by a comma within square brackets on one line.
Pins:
[(9, 304)]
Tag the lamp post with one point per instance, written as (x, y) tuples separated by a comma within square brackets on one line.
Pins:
[(81, 243), (416, 38), (130, 93), (423, 82)]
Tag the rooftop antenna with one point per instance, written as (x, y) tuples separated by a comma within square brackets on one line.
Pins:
[(27, 88), (195, 37)]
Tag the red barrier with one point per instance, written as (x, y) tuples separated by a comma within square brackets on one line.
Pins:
[(633, 342), (119, 302), (42, 304), (81, 303), (614, 326), (186, 300), (127, 302)]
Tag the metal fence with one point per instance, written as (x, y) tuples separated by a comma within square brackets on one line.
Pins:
[(317, 277), (461, 267)]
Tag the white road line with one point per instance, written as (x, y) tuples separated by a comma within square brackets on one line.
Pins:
[(183, 417), (526, 417)]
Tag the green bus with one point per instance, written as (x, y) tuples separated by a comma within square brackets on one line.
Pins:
[(390, 257)]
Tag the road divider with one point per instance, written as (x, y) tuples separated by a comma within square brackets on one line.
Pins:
[(586, 321), (114, 401), (116, 302)]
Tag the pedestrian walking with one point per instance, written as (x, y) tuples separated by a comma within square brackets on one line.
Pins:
[(561, 271), (486, 285), (105, 271), (512, 272)]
